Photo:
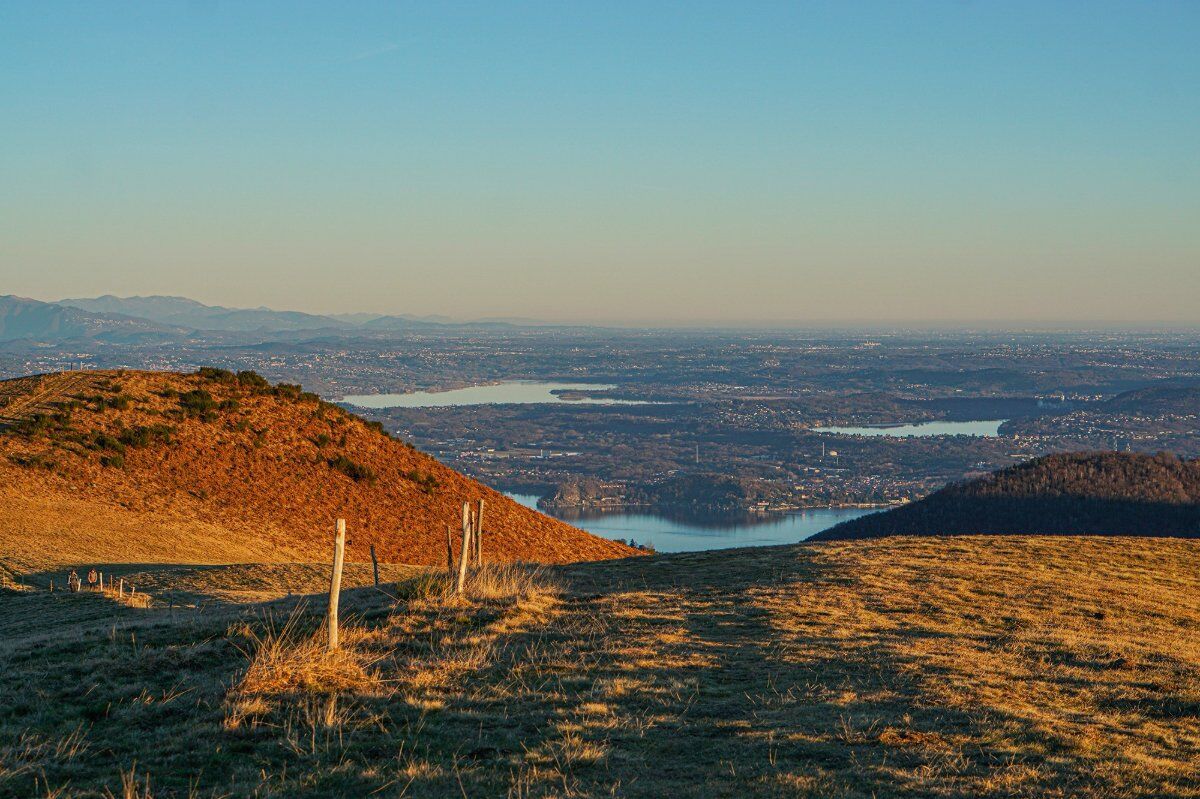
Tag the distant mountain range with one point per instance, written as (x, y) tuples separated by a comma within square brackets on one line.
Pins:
[(22, 318), (1093, 493), (136, 319), (182, 312)]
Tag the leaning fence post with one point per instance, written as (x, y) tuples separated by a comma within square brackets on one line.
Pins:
[(375, 565), (465, 553), (479, 535), (335, 582)]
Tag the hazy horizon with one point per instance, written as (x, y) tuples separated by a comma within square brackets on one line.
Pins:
[(876, 164)]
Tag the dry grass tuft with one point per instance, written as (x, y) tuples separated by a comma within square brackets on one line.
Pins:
[(295, 661), (509, 581), (131, 786)]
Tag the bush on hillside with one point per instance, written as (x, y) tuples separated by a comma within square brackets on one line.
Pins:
[(355, 471), (198, 403), (427, 482), (378, 428), (252, 380), (145, 435), (216, 375)]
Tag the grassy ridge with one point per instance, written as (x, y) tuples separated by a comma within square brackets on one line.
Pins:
[(949, 667), (214, 467)]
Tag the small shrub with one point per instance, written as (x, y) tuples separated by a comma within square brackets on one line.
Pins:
[(116, 402), (105, 442), (355, 471), (252, 380), (322, 440), (427, 482), (33, 462), (146, 435), (198, 403), (35, 425), (112, 461), (287, 391), (217, 375), (378, 428)]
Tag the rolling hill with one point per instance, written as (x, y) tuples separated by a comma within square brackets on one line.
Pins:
[(1093, 493), (215, 467), (1170, 399)]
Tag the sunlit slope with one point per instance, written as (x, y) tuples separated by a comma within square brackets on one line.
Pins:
[(150, 466)]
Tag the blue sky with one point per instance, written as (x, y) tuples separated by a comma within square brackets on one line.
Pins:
[(789, 163)]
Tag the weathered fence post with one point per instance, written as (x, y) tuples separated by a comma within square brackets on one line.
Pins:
[(335, 582), (375, 565), (121, 593), (479, 535), (465, 552)]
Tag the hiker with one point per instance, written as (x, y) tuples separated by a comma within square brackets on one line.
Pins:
[(73, 582), (92, 578)]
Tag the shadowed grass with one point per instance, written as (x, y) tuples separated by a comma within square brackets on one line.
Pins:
[(1047, 667)]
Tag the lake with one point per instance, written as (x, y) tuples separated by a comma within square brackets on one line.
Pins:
[(987, 429), (509, 392), (670, 535)]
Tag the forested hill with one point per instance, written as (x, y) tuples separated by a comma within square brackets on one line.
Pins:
[(1094, 493), (1182, 400)]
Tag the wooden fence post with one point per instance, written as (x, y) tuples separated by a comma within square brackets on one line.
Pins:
[(375, 565), (449, 551), (479, 535), (465, 552), (335, 582), (122, 589)]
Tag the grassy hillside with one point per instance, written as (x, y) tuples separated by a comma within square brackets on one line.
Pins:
[(1083, 493), (956, 667), (212, 467)]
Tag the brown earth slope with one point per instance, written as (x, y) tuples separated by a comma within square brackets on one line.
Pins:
[(163, 467)]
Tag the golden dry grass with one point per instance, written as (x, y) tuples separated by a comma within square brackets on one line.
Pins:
[(957, 667), (253, 479)]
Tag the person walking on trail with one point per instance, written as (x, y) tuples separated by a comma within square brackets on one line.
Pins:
[(73, 581), (92, 578)]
